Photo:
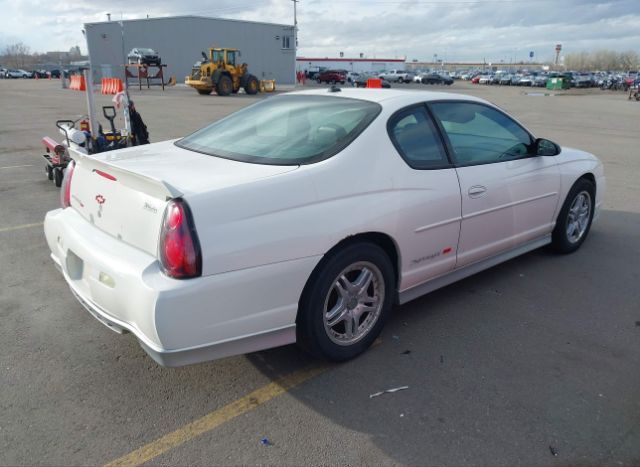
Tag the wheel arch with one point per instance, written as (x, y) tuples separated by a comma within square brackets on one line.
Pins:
[(590, 177), (382, 240), (576, 165)]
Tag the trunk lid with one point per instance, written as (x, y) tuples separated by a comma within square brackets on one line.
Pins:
[(124, 193)]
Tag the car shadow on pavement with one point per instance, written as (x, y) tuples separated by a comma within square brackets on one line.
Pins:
[(533, 362), (533, 357)]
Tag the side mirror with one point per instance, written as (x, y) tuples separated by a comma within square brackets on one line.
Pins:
[(544, 147)]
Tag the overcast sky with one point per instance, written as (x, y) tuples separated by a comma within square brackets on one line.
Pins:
[(455, 30)]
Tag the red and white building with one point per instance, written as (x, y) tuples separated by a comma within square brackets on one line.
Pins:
[(358, 65)]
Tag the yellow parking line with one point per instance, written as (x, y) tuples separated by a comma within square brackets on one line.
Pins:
[(217, 418), (19, 227)]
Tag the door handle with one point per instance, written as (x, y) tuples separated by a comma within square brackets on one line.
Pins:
[(477, 191)]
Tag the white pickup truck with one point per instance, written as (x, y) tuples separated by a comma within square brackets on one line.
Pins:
[(397, 76)]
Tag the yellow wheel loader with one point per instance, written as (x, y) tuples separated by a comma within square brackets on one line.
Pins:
[(219, 72)]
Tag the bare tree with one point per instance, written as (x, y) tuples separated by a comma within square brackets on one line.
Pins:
[(17, 54), (629, 60), (603, 60)]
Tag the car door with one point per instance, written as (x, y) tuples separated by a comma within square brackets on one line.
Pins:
[(428, 206), (509, 195)]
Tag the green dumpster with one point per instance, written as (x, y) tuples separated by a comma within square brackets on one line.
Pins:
[(557, 83), (554, 84)]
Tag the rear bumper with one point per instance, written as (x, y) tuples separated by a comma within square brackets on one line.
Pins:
[(177, 322), (188, 356)]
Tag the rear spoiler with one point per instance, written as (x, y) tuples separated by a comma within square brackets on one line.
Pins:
[(143, 183)]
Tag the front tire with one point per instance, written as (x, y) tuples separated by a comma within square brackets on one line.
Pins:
[(574, 221), (252, 86), (346, 302)]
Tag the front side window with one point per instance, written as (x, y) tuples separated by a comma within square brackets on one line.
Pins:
[(414, 135), (285, 130), (217, 56), (479, 134), (231, 58)]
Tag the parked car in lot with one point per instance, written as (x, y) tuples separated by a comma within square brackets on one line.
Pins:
[(485, 79), (332, 77), (540, 81), (434, 78), (306, 216), (144, 56), (506, 80), (397, 76), (352, 76), (582, 80), (39, 74), (13, 73), (525, 80)]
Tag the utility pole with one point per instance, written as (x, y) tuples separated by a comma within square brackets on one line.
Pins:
[(295, 36), (295, 22)]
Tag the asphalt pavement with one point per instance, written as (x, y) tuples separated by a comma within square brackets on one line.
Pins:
[(532, 363)]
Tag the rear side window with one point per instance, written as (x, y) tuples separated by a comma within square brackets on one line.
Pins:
[(285, 130), (414, 135)]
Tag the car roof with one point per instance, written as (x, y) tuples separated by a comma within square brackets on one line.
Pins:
[(393, 97)]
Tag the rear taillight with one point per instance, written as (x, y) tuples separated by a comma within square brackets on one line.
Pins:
[(65, 190), (179, 249)]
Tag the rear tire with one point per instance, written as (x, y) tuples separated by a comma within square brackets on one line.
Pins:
[(574, 221), (346, 302), (224, 86)]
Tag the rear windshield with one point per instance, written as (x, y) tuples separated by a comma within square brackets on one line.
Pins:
[(285, 130)]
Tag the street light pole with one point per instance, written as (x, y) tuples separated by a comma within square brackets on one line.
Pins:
[(295, 36)]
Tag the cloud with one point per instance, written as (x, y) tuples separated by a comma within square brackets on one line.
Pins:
[(455, 30)]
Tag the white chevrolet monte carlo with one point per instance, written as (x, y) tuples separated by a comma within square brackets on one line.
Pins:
[(305, 217)]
